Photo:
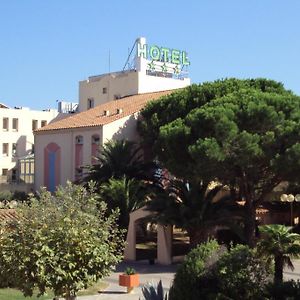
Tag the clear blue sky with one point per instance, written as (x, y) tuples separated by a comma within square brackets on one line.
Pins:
[(47, 46)]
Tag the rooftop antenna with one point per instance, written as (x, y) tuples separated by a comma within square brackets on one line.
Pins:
[(129, 56), (108, 60)]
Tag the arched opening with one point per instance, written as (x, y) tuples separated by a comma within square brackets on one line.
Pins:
[(52, 156), (95, 148), (78, 156), (164, 238)]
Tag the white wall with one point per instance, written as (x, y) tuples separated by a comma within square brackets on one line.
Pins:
[(148, 84), (124, 84), (124, 128), (23, 136), (119, 83)]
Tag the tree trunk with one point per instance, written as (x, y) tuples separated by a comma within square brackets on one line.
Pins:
[(197, 236), (250, 223), (278, 276)]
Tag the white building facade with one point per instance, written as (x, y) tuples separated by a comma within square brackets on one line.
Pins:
[(17, 140)]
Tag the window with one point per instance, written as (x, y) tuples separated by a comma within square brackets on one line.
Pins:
[(5, 149), (90, 103), (14, 149), (15, 124), (43, 123), (79, 139), (104, 90), (95, 139), (34, 124), (5, 124), (78, 156), (4, 172)]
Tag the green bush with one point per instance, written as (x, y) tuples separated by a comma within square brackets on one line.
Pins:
[(210, 272), (288, 290), (190, 276), (5, 196), (64, 242), (241, 274), (20, 196)]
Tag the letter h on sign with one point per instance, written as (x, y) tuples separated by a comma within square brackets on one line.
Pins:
[(142, 50)]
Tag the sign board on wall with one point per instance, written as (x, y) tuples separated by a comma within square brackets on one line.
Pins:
[(162, 59)]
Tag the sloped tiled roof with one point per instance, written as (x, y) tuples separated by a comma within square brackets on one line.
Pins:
[(2, 105), (7, 214), (96, 117)]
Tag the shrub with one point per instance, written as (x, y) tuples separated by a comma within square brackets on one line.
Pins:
[(190, 275), (286, 290), (20, 196), (241, 274), (211, 272), (154, 292), (62, 242), (5, 196), (129, 271)]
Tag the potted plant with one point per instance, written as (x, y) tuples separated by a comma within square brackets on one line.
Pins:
[(129, 279)]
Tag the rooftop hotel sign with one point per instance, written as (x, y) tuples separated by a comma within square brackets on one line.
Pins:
[(163, 59)]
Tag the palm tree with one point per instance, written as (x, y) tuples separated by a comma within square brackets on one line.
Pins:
[(125, 194), (192, 206), (277, 241), (117, 159)]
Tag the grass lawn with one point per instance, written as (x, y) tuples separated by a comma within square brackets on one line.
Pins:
[(13, 294)]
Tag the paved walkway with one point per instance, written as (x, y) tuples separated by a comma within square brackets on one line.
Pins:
[(148, 273), (153, 273)]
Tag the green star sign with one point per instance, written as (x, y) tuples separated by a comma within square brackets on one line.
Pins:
[(176, 70), (151, 66), (164, 68)]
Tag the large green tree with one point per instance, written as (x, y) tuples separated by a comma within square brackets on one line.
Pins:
[(243, 133), (63, 242)]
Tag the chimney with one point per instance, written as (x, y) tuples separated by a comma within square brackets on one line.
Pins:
[(119, 111), (106, 113)]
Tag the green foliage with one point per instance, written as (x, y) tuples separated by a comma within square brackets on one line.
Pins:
[(288, 290), (279, 243), (125, 194), (191, 206), (20, 196), (6, 196), (118, 159), (63, 242), (154, 292), (210, 272), (241, 274), (129, 271), (244, 133), (190, 274)]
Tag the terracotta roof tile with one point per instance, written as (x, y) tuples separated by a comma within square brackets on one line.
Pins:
[(95, 116), (8, 214)]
